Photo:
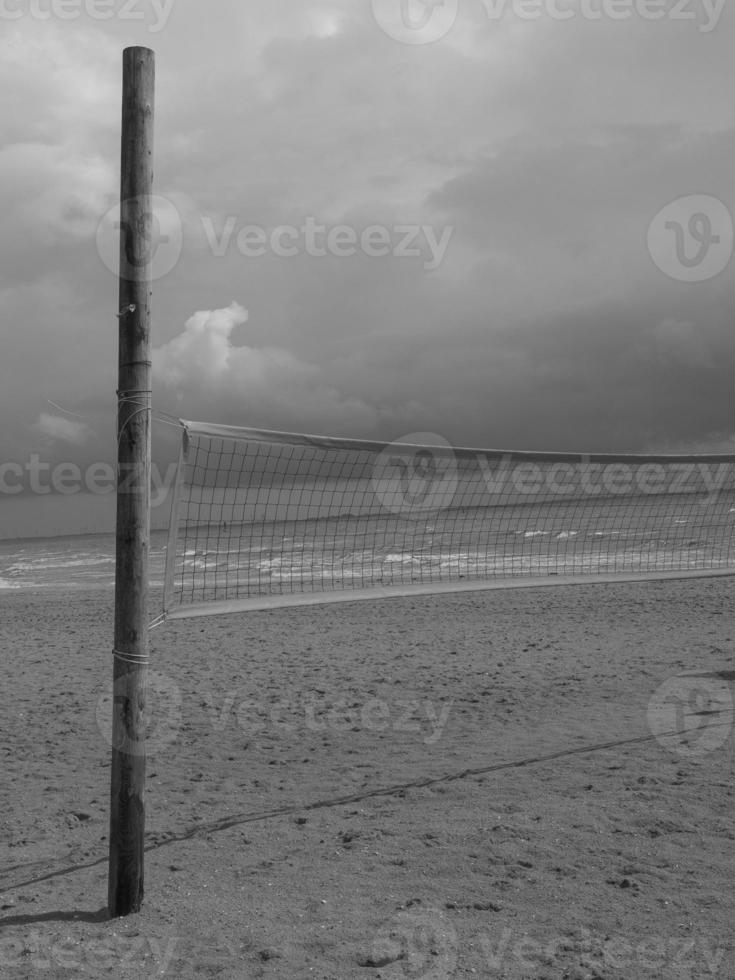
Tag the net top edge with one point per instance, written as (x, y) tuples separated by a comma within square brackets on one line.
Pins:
[(276, 437)]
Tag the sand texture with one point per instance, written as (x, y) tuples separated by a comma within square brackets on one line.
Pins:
[(473, 785)]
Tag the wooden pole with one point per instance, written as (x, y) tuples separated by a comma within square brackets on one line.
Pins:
[(127, 784)]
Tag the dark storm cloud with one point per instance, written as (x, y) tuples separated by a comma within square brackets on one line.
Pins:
[(545, 149)]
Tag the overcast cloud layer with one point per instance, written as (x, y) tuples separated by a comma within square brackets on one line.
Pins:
[(465, 237)]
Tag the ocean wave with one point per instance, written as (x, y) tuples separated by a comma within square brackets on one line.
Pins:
[(35, 565)]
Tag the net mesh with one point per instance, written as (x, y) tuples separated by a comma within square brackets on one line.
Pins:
[(267, 518)]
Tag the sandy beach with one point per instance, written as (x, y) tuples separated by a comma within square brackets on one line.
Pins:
[(532, 783)]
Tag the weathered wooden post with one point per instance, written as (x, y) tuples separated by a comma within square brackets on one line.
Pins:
[(127, 806)]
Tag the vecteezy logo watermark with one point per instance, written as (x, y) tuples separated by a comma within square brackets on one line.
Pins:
[(416, 475), (419, 475), (160, 715), (415, 21), (162, 231), (425, 21), (692, 714), (705, 12), (337, 241), (518, 954), (294, 716), (419, 943), (134, 956), (594, 476), (691, 239), (127, 10), (67, 479)]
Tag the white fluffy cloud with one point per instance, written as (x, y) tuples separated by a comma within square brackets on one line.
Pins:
[(247, 384), (199, 356)]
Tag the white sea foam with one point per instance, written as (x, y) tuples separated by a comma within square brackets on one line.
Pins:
[(62, 561)]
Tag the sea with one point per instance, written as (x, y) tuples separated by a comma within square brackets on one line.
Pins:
[(649, 535), (84, 561), (231, 560)]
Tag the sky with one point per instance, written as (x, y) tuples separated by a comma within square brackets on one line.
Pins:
[(507, 223)]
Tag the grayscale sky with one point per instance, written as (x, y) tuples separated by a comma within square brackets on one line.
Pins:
[(504, 223)]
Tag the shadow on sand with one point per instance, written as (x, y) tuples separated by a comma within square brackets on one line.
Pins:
[(101, 915)]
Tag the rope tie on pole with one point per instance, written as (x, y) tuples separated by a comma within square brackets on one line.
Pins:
[(139, 660), (140, 397), (144, 401)]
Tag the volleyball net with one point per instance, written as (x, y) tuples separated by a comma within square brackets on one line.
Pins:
[(263, 519)]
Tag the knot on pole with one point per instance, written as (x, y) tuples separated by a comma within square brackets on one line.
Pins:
[(130, 308)]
